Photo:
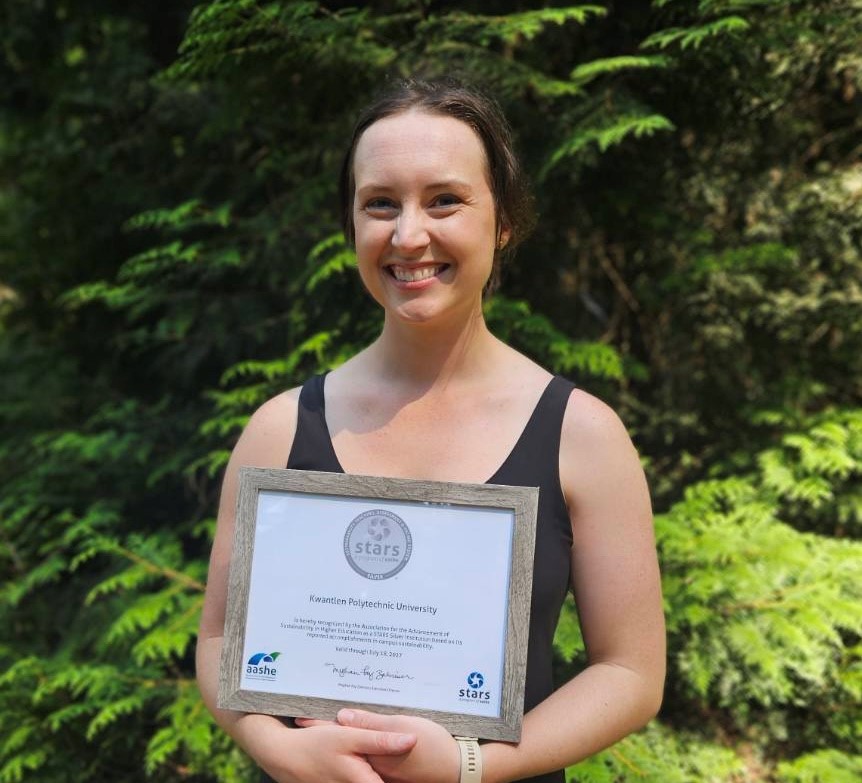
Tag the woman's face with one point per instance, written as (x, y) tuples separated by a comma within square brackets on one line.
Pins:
[(424, 215)]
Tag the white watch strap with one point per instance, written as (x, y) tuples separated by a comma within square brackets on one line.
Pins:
[(471, 760)]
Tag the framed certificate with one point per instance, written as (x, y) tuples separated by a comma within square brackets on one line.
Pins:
[(392, 595)]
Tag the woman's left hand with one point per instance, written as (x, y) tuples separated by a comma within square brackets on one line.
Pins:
[(435, 758)]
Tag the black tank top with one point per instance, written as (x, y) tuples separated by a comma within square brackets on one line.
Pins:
[(533, 462)]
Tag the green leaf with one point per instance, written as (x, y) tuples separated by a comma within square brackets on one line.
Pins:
[(586, 72), (606, 136), (694, 37)]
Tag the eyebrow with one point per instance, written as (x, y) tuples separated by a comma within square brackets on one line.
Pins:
[(457, 184), (445, 184)]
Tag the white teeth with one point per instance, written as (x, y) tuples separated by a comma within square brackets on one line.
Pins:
[(405, 275)]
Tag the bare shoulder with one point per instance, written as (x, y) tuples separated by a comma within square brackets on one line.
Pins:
[(268, 436), (589, 422), (598, 462)]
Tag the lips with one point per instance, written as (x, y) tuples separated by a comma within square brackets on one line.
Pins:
[(415, 274)]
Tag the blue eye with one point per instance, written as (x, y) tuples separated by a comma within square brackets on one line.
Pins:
[(446, 200), (380, 204)]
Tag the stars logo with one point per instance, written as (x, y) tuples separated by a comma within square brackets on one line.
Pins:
[(378, 528), (472, 693), (377, 544)]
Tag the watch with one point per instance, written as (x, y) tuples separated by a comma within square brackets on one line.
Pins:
[(471, 759)]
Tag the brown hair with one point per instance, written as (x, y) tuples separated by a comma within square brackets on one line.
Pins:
[(513, 202)]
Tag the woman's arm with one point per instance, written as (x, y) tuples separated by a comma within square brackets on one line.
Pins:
[(327, 752), (618, 594)]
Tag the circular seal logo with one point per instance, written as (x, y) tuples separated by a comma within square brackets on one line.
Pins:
[(475, 680), (377, 544)]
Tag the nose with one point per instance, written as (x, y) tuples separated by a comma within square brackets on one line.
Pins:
[(411, 232)]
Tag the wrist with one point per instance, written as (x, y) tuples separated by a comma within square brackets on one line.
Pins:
[(496, 762), (265, 738)]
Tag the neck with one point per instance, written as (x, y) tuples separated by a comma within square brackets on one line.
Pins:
[(425, 355)]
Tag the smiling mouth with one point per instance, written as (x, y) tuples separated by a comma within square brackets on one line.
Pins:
[(414, 274)]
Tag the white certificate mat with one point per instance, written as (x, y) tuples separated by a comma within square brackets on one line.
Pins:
[(411, 600)]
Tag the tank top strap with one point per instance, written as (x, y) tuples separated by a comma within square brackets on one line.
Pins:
[(536, 453), (535, 459), (312, 447)]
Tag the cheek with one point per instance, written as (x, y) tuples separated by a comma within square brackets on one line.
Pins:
[(369, 238), (468, 229), (369, 245), (474, 239)]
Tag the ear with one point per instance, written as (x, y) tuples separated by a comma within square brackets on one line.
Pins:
[(503, 237)]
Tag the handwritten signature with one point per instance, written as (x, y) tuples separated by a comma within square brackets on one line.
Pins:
[(372, 675)]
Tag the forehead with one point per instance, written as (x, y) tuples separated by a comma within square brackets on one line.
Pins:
[(419, 145)]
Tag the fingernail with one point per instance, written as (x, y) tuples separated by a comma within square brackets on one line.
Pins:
[(403, 741), (346, 715)]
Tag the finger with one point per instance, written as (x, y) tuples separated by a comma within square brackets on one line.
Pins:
[(306, 722), (367, 775), (381, 743), (361, 719)]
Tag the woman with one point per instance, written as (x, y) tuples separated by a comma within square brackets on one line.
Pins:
[(433, 197)]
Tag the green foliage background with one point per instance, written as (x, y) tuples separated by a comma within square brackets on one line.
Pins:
[(170, 257)]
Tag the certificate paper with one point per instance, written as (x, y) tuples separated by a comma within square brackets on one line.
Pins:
[(397, 604)]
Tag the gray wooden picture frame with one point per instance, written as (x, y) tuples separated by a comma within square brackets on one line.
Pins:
[(521, 501)]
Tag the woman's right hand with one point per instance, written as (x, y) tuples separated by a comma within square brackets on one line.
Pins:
[(329, 752)]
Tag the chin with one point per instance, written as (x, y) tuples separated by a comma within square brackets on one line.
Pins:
[(415, 313)]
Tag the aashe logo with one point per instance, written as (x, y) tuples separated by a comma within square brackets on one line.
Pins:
[(475, 680), (261, 666), (377, 544)]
